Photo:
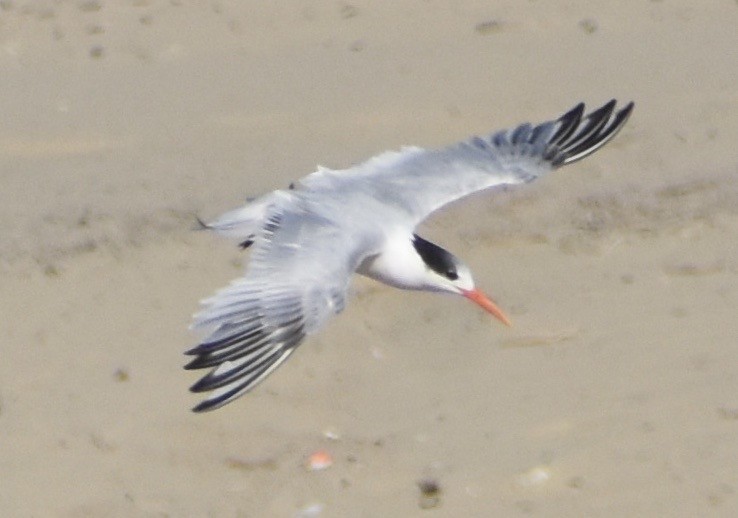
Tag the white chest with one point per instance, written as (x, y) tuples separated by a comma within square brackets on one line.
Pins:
[(398, 265)]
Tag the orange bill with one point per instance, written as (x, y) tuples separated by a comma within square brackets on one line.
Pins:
[(481, 299)]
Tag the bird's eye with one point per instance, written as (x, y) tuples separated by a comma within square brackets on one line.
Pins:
[(452, 275)]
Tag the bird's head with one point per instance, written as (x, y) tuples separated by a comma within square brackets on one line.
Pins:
[(446, 272)]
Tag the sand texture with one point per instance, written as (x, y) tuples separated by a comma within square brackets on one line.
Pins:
[(614, 394)]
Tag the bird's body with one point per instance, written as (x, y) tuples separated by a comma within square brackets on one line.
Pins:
[(308, 240)]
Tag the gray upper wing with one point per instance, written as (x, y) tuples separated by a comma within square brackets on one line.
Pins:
[(421, 181)]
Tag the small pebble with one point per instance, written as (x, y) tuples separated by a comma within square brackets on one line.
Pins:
[(97, 52), (319, 460), (120, 375), (331, 434), (588, 25), (310, 511), (534, 477), (489, 27), (430, 493)]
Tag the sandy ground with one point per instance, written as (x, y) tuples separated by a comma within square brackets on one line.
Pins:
[(614, 394)]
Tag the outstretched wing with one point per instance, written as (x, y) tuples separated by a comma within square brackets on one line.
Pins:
[(289, 291), (422, 181)]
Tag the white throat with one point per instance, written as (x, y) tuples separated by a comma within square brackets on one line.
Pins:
[(398, 265)]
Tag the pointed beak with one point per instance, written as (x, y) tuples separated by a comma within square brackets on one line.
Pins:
[(481, 299)]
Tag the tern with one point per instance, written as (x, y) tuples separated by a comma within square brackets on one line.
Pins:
[(308, 240)]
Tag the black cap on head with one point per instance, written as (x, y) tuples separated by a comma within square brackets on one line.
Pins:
[(437, 259)]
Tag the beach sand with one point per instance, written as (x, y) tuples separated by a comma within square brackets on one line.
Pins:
[(615, 393)]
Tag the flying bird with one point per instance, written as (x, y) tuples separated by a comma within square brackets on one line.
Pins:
[(308, 240)]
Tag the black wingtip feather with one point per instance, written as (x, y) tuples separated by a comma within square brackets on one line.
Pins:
[(211, 381), (574, 141), (251, 378), (593, 123), (271, 351), (213, 359), (569, 122), (207, 406), (243, 339)]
